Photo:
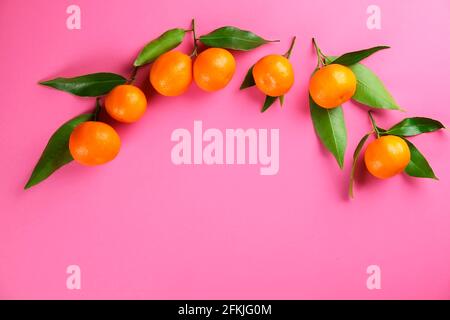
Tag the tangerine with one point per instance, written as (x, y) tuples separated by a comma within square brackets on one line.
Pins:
[(273, 75), (171, 73), (92, 143), (214, 68), (332, 85), (126, 103), (387, 156)]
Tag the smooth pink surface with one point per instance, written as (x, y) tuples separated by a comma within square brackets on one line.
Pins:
[(141, 227)]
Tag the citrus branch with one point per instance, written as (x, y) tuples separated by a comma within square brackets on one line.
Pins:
[(97, 109), (133, 75), (288, 53), (321, 58), (195, 51), (374, 125)]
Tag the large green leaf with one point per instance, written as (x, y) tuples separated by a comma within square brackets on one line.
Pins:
[(56, 153), (414, 126), (165, 42), (351, 58), (330, 127), (370, 91), (355, 161), (90, 85), (233, 38), (418, 166)]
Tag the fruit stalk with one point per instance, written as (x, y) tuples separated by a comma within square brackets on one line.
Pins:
[(321, 58), (96, 109), (288, 53), (133, 75), (374, 125), (194, 36)]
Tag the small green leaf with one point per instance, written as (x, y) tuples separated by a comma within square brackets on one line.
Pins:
[(370, 91), (351, 58), (418, 166), (248, 80), (281, 100), (355, 160), (330, 127), (165, 42), (233, 38), (56, 153), (268, 103), (413, 126), (328, 60), (90, 85)]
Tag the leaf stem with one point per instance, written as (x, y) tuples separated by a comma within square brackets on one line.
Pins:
[(97, 109), (133, 75), (374, 125), (288, 53), (195, 51)]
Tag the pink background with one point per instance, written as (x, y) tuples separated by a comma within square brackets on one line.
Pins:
[(141, 227)]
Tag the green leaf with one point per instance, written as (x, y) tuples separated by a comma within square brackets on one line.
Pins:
[(268, 103), (281, 100), (351, 58), (56, 153), (90, 85), (233, 38), (330, 127), (165, 42), (355, 160), (328, 60), (248, 80), (418, 166), (413, 126), (370, 91)]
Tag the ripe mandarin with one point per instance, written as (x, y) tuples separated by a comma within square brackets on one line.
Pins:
[(92, 143), (126, 103), (213, 69), (387, 156), (332, 85), (171, 73), (273, 75)]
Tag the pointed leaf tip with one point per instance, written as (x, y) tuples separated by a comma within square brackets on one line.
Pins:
[(330, 127)]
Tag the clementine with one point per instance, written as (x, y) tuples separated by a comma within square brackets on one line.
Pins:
[(213, 69), (126, 103), (387, 156), (93, 143)]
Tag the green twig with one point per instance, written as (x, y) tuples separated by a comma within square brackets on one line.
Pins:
[(97, 109), (133, 75), (374, 125), (195, 51), (288, 53), (321, 58)]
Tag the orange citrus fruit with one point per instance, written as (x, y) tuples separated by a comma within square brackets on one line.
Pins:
[(92, 143), (387, 156), (126, 103), (171, 73), (332, 85), (213, 69), (273, 75)]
